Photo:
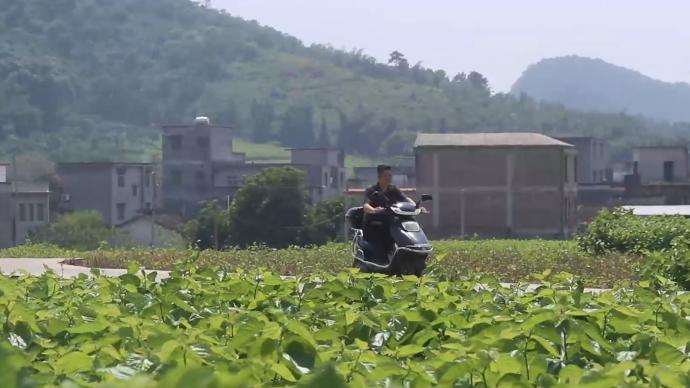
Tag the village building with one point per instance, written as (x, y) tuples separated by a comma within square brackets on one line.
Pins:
[(118, 191), (24, 207), (497, 184)]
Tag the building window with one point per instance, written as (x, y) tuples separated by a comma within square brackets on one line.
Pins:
[(175, 142), (233, 181), (325, 178), (121, 211), (148, 206), (342, 179), (40, 212), (200, 176), (636, 164), (202, 141), (22, 212), (135, 190), (668, 171), (176, 177), (31, 213), (121, 177)]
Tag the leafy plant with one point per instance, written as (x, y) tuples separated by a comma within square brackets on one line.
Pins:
[(618, 230), (206, 326), (81, 230), (269, 208), (508, 260)]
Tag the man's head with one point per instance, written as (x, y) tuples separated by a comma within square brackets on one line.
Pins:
[(385, 174)]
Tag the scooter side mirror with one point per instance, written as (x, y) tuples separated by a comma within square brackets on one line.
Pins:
[(424, 198)]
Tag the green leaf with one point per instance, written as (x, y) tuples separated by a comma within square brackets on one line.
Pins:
[(350, 317), (667, 354), (409, 350), (133, 267), (74, 362), (167, 350), (299, 329), (89, 327), (506, 364), (272, 330), (546, 345), (182, 304), (326, 376), (284, 372)]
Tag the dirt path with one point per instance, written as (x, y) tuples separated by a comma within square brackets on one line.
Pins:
[(40, 266)]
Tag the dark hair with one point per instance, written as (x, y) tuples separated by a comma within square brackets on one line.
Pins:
[(381, 168)]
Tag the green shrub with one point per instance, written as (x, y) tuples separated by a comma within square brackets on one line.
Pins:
[(83, 230), (618, 230), (672, 264)]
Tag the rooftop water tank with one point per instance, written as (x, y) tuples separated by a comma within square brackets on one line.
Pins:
[(202, 120)]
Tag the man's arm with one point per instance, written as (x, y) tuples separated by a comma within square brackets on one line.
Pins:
[(400, 194), (368, 208), (371, 210)]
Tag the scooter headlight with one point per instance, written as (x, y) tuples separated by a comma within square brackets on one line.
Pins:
[(411, 226)]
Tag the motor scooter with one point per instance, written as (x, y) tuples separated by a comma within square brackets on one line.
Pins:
[(410, 248)]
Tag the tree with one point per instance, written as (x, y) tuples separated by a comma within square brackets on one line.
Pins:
[(262, 115), (439, 77), (398, 60), (269, 209), (32, 166), (398, 143), (83, 230), (478, 81), (210, 229), (459, 78), (324, 137), (297, 127), (324, 222)]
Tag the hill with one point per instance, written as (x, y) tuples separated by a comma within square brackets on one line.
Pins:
[(594, 85), (94, 80)]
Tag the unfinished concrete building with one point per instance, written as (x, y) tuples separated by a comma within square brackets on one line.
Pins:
[(118, 191), (497, 184), (192, 157), (24, 207), (661, 164), (593, 159)]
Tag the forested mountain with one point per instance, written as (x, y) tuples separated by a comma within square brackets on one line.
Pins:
[(93, 79), (594, 85)]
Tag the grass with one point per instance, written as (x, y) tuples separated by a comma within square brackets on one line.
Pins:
[(272, 153), (507, 260), (268, 153)]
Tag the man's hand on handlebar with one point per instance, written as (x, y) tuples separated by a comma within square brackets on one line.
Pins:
[(373, 210)]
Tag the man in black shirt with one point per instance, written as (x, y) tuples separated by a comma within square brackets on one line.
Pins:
[(377, 197)]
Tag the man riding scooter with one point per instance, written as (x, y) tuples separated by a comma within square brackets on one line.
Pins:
[(377, 238)]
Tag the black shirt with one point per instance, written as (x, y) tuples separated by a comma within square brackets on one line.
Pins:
[(375, 197)]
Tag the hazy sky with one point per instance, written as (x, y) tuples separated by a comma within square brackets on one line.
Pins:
[(497, 38)]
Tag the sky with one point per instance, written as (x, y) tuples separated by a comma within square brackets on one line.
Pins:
[(498, 38)]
